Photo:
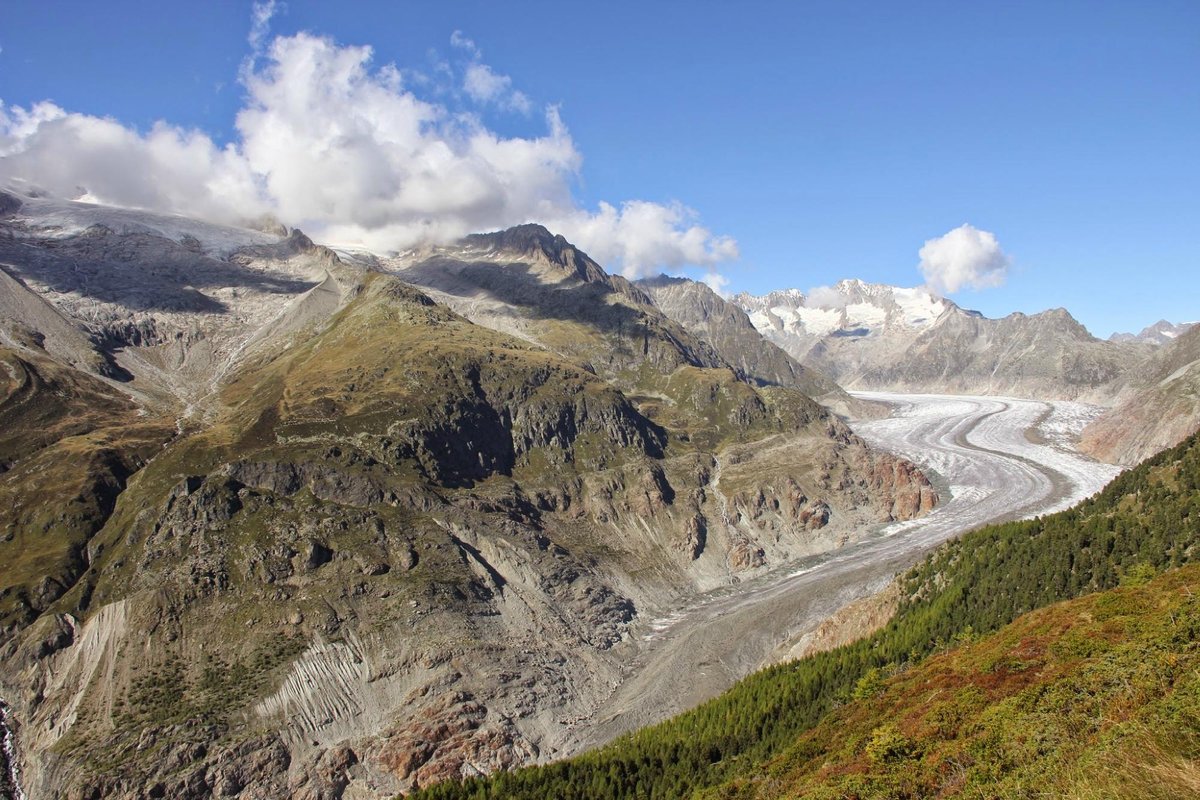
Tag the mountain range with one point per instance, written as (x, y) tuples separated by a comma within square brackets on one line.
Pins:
[(873, 336), (278, 519), (1157, 404), (1161, 332), (284, 520)]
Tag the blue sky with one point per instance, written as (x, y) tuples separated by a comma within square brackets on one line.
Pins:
[(829, 140)]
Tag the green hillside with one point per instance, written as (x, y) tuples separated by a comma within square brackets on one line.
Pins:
[(1094, 697), (752, 739)]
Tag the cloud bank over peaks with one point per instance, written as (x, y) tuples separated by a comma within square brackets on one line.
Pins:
[(966, 257), (351, 153), (645, 238), (166, 169)]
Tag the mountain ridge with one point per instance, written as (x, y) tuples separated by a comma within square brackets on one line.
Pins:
[(728, 328), (1157, 404), (874, 336), (338, 532)]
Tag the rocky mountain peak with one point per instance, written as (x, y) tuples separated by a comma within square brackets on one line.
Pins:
[(534, 242), (1161, 332), (524, 239), (726, 325), (1062, 321)]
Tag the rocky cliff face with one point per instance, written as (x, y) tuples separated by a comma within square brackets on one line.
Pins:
[(869, 336), (282, 525), (728, 328), (1157, 405)]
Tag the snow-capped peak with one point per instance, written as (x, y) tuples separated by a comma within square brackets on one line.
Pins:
[(1160, 332), (850, 307)]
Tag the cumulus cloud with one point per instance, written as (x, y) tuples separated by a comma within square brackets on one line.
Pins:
[(717, 282), (168, 168), (645, 237), (966, 257), (484, 85), (329, 142), (350, 149)]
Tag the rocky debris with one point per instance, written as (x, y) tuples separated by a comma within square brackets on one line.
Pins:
[(455, 737), (255, 769)]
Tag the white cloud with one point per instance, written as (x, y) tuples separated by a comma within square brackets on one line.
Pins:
[(825, 297), (645, 237), (260, 23), (964, 257), (352, 151), (168, 168), (717, 282), (484, 85), (460, 40), (351, 154)]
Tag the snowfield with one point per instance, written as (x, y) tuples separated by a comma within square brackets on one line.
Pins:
[(55, 218)]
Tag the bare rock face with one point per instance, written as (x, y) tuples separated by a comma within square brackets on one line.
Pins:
[(1158, 405), (905, 491), (317, 534), (453, 738), (727, 327)]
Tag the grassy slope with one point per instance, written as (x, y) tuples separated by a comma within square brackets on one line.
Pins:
[(1148, 518), (68, 442), (1094, 697)]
